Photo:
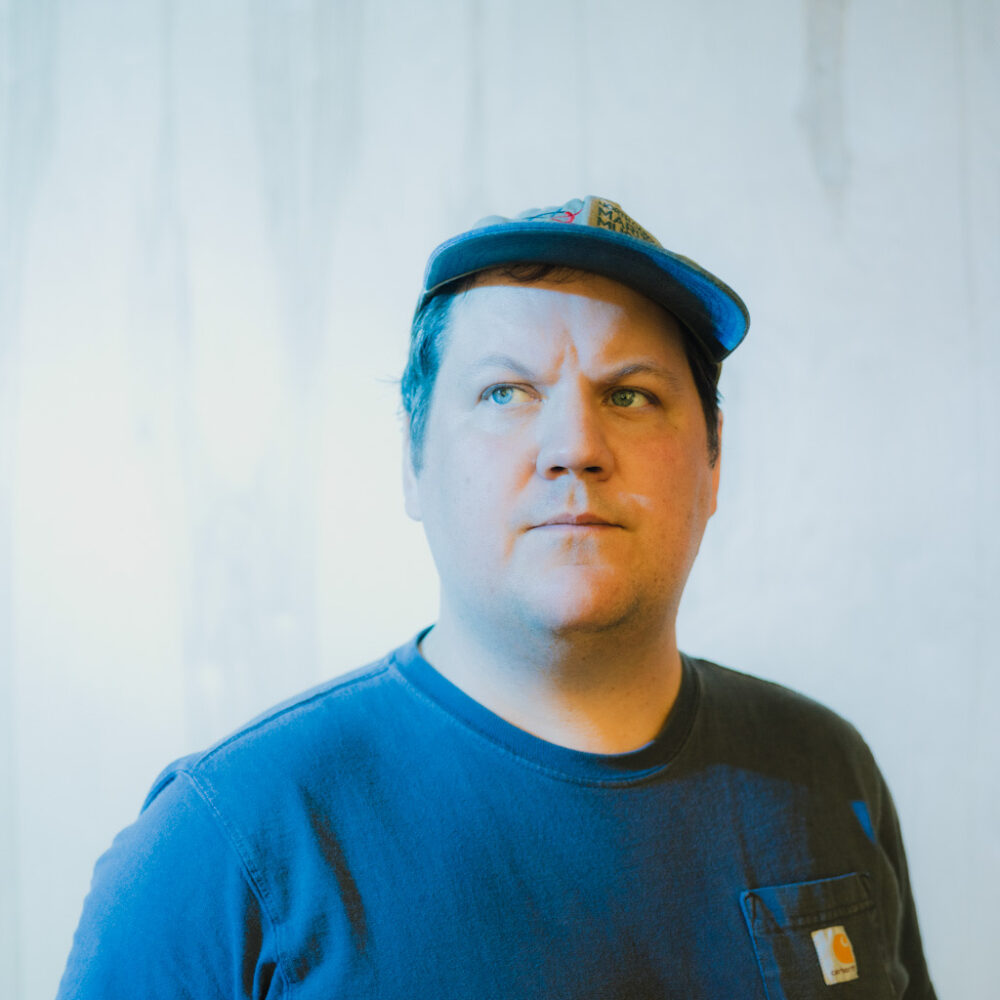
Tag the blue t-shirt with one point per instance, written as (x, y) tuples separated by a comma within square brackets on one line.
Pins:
[(384, 835)]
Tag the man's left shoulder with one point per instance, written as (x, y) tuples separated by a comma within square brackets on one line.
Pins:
[(774, 717)]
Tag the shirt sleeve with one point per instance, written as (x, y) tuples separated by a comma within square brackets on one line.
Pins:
[(172, 912), (908, 942)]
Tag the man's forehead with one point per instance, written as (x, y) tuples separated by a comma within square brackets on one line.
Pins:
[(496, 297), (556, 279), (498, 318)]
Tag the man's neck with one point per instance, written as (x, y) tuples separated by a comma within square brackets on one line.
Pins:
[(608, 692)]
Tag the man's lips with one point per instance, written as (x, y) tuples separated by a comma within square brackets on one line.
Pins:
[(576, 521)]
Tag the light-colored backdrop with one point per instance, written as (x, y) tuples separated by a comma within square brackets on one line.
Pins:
[(214, 217)]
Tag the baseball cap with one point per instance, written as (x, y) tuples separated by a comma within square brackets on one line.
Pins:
[(595, 234)]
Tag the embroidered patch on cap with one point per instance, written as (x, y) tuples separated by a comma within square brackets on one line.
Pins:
[(589, 211), (836, 956)]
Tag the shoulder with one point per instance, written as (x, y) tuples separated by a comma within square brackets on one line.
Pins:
[(754, 700), (148, 924), (760, 721), (329, 725), (219, 818)]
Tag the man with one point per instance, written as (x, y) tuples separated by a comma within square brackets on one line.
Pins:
[(540, 796)]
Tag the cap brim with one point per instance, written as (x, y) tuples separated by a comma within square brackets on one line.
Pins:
[(708, 307)]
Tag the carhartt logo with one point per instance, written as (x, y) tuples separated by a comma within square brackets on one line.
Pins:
[(836, 956)]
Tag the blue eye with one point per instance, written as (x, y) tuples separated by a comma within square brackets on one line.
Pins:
[(502, 394)]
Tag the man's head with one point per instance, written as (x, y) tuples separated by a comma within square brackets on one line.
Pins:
[(591, 235), (563, 427)]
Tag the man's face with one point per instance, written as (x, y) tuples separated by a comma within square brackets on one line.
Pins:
[(565, 483)]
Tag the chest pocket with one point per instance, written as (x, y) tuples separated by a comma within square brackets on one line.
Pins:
[(819, 939)]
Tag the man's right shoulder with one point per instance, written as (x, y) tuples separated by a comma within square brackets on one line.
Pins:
[(322, 728)]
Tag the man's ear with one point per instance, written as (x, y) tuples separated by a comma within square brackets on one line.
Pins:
[(411, 491), (716, 469)]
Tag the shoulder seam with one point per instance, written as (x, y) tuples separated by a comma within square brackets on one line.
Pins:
[(381, 667), (249, 870)]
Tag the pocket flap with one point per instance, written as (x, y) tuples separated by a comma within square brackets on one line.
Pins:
[(784, 907)]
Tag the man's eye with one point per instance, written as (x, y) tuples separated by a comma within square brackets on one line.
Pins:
[(631, 398), (503, 394)]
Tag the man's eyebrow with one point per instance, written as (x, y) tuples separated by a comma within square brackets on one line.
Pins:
[(505, 361), (671, 377), (501, 361)]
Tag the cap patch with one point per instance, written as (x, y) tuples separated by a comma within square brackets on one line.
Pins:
[(590, 211)]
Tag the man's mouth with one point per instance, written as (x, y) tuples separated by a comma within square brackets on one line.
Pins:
[(584, 520)]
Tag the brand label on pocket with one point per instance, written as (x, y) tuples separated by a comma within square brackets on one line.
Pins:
[(836, 956)]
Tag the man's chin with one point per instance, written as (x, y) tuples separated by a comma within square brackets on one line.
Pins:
[(582, 610)]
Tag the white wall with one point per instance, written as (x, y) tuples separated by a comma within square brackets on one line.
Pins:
[(214, 218)]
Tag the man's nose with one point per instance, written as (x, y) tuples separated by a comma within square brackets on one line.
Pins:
[(573, 438)]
